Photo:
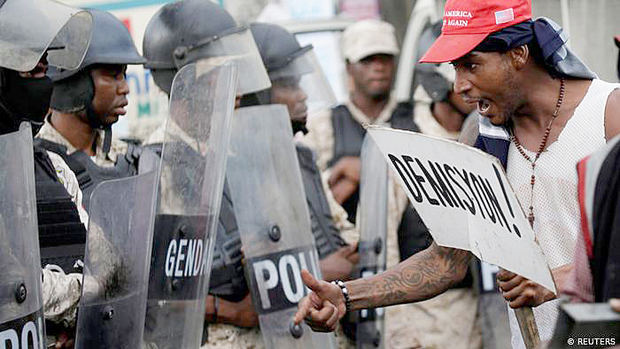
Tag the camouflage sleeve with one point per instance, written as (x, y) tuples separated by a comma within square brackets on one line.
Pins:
[(320, 137), (61, 294)]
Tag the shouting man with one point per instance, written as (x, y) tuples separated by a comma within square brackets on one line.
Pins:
[(542, 110)]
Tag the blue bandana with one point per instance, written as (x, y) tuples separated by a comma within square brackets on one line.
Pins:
[(550, 40)]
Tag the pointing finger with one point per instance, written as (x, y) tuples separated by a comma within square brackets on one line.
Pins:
[(310, 281)]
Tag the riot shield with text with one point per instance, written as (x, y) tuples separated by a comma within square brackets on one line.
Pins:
[(21, 307), (270, 206), (193, 162), (373, 233), (116, 264)]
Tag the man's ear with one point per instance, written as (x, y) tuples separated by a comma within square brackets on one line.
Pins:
[(519, 56)]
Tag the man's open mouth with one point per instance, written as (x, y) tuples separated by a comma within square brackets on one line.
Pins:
[(483, 106)]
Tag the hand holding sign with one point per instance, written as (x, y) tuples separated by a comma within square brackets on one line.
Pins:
[(521, 292), (322, 308)]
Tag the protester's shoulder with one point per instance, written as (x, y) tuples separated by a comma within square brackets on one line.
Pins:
[(612, 114), (614, 98)]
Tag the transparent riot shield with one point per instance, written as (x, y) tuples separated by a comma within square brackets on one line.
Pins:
[(270, 206), (192, 167), (120, 231), (373, 233), (30, 28), (21, 312)]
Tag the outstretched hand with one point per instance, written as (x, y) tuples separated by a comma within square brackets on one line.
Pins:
[(323, 307)]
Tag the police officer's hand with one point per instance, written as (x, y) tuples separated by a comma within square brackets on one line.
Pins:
[(343, 190), (245, 315), (241, 314), (521, 292), (323, 307), (339, 265), (65, 340), (345, 177), (349, 167)]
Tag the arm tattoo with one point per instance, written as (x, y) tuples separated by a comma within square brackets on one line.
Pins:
[(421, 276)]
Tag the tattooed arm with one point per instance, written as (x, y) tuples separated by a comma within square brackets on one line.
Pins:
[(421, 276)]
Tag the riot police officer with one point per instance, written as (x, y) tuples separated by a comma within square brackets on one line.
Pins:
[(297, 82), (57, 35), (171, 37), (87, 101), (179, 34)]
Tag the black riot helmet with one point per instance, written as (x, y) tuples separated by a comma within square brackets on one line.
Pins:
[(183, 32), (33, 32), (289, 65), (74, 89), (277, 47)]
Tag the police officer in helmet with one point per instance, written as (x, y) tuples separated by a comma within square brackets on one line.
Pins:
[(297, 82), (36, 34), (87, 101), (186, 31), (181, 33)]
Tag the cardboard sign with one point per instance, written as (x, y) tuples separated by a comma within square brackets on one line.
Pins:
[(465, 200)]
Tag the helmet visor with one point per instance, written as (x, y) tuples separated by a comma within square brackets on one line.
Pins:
[(239, 47), (305, 72), (29, 28)]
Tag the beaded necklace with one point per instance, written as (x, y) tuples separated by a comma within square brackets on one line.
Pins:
[(541, 147)]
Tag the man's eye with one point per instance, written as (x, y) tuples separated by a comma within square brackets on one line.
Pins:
[(471, 66)]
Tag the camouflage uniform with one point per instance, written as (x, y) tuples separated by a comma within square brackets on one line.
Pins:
[(118, 147), (62, 292)]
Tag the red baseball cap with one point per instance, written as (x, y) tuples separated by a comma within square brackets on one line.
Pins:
[(466, 23)]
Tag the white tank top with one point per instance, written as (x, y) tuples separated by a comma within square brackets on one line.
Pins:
[(556, 208)]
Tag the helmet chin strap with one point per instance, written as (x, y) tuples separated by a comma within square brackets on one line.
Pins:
[(107, 139)]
